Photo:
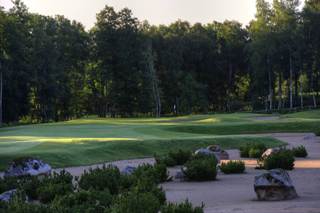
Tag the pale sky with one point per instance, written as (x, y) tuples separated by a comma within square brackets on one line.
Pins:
[(155, 11)]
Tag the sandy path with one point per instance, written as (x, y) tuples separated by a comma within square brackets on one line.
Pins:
[(234, 193)]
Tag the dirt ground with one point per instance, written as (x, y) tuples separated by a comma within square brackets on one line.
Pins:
[(235, 193)]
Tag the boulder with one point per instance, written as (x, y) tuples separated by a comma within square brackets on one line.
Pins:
[(27, 166), (274, 185), (222, 154), (7, 196), (309, 136), (128, 170), (204, 151), (270, 152), (180, 175)]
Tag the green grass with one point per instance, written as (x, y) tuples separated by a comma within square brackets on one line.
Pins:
[(93, 140)]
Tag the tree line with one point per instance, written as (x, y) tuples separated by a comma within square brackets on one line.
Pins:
[(52, 69)]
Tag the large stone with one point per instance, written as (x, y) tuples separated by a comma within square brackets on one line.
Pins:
[(274, 185), (128, 170), (208, 152), (27, 166), (222, 154), (7, 196), (270, 151)]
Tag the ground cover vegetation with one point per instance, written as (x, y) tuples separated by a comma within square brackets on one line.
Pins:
[(102, 190), (53, 69)]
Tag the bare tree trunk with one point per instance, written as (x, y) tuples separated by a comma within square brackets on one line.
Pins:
[(291, 84), (280, 92), (270, 85), (1, 92), (312, 91), (301, 90)]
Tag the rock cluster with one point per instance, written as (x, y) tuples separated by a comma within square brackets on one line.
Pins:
[(27, 166), (214, 150), (274, 185)]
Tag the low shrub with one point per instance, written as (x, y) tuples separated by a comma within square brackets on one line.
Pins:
[(83, 201), (201, 168), (283, 159), (136, 202), (252, 150), (175, 158), (101, 178), (300, 152), (8, 183), (233, 167), (50, 187), (185, 207), (158, 173)]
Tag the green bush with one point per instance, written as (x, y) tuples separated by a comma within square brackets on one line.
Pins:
[(57, 184), (101, 178), (283, 159), (185, 207), (158, 173), (83, 201), (136, 202), (300, 152), (201, 168), (252, 150), (233, 167), (8, 183), (179, 157)]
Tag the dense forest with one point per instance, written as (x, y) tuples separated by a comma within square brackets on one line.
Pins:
[(52, 69)]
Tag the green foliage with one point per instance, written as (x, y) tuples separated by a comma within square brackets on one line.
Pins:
[(175, 158), (283, 159), (233, 167), (8, 183), (201, 168), (136, 202), (300, 152), (157, 173), (252, 150), (105, 178), (185, 207), (83, 201)]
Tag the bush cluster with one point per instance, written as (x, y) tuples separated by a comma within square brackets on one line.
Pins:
[(233, 167), (300, 152), (101, 190), (201, 168), (252, 150), (283, 159), (185, 207), (175, 158)]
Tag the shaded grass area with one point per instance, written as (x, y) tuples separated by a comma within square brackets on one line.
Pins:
[(249, 128), (85, 153)]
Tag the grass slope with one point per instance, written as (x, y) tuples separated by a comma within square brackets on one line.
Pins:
[(94, 140)]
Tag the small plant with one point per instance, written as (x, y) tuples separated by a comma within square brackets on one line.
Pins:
[(233, 167), (157, 173), (136, 202), (252, 150), (185, 207), (283, 159), (101, 178), (201, 168), (300, 152), (176, 158)]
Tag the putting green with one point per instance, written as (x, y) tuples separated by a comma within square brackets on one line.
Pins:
[(93, 140)]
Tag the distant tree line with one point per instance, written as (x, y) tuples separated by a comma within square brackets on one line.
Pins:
[(51, 68)]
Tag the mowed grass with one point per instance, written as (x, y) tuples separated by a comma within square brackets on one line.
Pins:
[(94, 140)]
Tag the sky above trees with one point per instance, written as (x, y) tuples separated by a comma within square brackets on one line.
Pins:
[(155, 11)]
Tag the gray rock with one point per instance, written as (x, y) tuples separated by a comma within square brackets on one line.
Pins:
[(28, 166), (274, 185), (214, 148), (309, 136), (7, 196), (179, 175), (128, 170), (270, 152), (208, 152)]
